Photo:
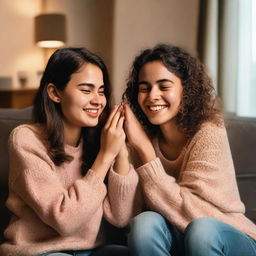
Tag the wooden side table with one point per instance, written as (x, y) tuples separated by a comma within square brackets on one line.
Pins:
[(17, 98)]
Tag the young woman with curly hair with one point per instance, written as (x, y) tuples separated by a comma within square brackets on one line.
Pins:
[(184, 164)]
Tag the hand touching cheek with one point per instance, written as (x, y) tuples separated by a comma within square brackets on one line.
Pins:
[(137, 137)]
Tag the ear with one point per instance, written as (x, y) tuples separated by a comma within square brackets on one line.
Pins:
[(53, 93)]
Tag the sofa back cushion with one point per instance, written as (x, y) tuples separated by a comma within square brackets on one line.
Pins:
[(242, 139), (9, 119)]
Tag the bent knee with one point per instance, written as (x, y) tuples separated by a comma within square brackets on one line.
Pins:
[(202, 229), (147, 220), (146, 224)]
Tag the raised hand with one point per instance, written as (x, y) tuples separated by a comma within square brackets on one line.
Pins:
[(113, 135), (112, 140), (137, 137)]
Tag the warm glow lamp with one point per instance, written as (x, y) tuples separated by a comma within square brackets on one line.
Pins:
[(50, 30)]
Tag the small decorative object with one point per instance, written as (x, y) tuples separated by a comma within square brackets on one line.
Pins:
[(23, 78), (5, 82)]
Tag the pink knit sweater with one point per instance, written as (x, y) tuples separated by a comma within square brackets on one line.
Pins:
[(55, 207), (199, 183)]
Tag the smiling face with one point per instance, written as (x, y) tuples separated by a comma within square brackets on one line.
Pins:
[(83, 99), (160, 93)]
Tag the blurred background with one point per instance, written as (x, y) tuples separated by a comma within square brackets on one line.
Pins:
[(222, 33)]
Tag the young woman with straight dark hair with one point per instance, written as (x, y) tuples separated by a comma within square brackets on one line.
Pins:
[(184, 164), (57, 193)]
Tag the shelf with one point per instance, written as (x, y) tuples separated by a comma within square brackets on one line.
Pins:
[(17, 98)]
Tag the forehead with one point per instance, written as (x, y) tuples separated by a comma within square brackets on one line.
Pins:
[(89, 72), (155, 70)]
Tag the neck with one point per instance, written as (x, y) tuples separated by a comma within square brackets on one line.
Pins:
[(171, 135), (72, 136)]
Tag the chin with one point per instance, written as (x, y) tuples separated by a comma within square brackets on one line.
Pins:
[(91, 124), (155, 121)]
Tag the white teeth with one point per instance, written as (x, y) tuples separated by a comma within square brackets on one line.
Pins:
[(92, 110), (156, 108)]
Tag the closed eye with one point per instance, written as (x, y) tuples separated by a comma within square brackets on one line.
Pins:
[(144, 89), (164, 88), (86, 91), (101, 92)]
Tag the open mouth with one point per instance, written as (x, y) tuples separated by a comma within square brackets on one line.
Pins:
[(91, 111), (157, 108)]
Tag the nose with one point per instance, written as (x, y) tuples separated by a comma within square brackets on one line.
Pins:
[(154, 94), (96, 99)]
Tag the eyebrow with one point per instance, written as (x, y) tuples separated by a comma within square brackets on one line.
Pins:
[(158, 81), (90, 85)]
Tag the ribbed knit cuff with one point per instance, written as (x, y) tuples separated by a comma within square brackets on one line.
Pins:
[(124, 181), (152, 170)]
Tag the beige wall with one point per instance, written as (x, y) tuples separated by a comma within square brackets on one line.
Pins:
[(89, 24), (144, 23), (115, 29), (17, 49)]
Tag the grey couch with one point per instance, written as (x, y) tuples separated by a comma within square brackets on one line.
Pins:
[(242, 137)]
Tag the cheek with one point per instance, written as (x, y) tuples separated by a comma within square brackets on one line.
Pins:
[(140, 99), (174, 97), (104, 102)]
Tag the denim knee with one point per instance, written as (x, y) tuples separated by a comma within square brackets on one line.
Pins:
[(146, 225), (202, 229), (202, 234), (207, 236), (149, 232)]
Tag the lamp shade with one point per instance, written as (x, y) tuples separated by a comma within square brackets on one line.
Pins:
[(50, 30)]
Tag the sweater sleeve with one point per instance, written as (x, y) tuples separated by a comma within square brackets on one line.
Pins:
[(206, 186), (124, 198), (34, 179)]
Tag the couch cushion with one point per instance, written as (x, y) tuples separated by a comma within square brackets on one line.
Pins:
[(9, 119), (242, 139)]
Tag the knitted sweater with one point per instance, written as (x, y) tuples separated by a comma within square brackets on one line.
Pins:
[(55, 207), (199, 183)]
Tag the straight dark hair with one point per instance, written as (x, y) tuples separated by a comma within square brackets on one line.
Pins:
[(61, 65)]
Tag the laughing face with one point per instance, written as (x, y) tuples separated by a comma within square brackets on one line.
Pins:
[(83, 99), (160, 93)]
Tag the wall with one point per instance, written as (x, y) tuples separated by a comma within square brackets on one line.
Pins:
[(17, 49), (144, 23), (89, 23), (115, 29)]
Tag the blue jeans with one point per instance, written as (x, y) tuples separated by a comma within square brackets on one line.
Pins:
[(107, 250), (151, 234)]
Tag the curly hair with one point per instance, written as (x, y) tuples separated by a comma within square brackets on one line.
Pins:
[(198, 103)]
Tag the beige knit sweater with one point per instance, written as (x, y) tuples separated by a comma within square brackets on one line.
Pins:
[(199, 183), (55, 207)]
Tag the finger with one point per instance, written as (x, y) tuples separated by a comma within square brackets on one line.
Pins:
[(118, 114), (115, 119), (113, 112), (128, 113), (120, 123), (121, 109)]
